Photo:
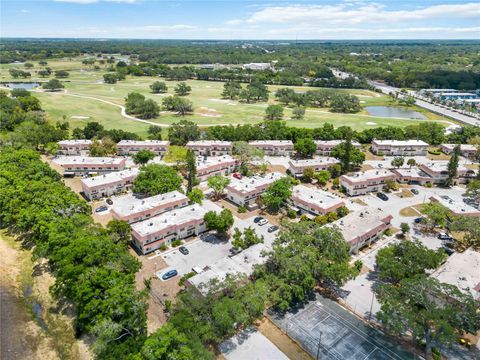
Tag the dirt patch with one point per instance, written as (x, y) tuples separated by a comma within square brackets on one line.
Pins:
[(366, 167), (359, 202), (277, 168), (371, 156), (205, 111), (409, 212), (80, 117), (288, 346), (406, 193), (441, 156)]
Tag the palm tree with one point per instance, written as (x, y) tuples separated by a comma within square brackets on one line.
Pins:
[(411, 162)]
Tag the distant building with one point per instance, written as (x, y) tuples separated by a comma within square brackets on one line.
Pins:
[(210, 147), (297, 167), (131, 147), (362, 228), (467, 150), (151, 234), (325, 147), (74, 147), (274, 147), (132, 209), (456, 205), (108, 184), (245, 191), (412, 176), (438, 171), (361, 183), (455, 95), (314, 201), (215, 165), (400, 147), (81, 165), (258, 66)]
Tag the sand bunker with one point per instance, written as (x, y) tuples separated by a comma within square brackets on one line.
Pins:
[(220, 100), (80, 117), (204, 111), (371, 123)]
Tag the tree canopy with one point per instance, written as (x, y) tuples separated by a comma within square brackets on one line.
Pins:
[(156, 179)]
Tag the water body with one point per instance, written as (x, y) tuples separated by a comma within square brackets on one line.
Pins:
[(22, 85), (394, 112)]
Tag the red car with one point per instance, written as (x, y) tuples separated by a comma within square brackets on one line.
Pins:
[(237, 176)]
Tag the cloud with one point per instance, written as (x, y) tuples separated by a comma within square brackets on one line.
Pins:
[(25, 11)]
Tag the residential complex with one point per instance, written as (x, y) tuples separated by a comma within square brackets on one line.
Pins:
[(314, 201), (210, 147), (215, 165), (74, 147), (400, 147), (412, 176), (366, 181), (108, 184), (467, 150), (296, 167), (324, 148), (131, 147), (80, 165), (274, 147), (244, 192), (438, 171), (149, 235), (132, 209), (456, 205), (362, 228)]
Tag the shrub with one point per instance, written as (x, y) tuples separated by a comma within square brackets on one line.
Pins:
[(291, 214), (185, 277), (242, 209), (163, 247), (434, 152), (428, 185), (176, 243)]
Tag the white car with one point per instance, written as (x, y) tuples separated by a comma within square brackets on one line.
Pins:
[(262, 222)]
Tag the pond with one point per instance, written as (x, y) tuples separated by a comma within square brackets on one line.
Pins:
[(22, 85), (393, 112)]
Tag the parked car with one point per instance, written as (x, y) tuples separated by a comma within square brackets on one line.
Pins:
[(109, 201), (444, 236), (237, 176), (418, 220), (257, 219), (101, 208), (272, 228), (415, 191), (169, 274), (382, 196), (448, 251), (263, 222), (380, 165), (183, 250)]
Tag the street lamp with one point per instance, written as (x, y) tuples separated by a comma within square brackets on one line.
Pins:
[(371, 307)]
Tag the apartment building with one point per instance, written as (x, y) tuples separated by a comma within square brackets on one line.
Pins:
[(438, 171), (131, 147), (148, 235), (466, 150), (455, 203), (274, 147), (412, 176), (325, 147), (314, 201), (296, 167), (74, 147), (215, 165), (400, 147), (210, 147), (131, 209), (366, 181), (245, 191), (108, 184), (84, 165), (362, 228)]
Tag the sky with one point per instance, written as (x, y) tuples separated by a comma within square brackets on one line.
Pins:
[(231, 20)]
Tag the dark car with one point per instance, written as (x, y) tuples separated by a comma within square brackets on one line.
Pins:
[(183, 250), (415, 191), (272, 228), (448, 251), (418, 220), (169, 274), (109, 201), (382, 196), (257, 219), (444, 236), (101, 208)]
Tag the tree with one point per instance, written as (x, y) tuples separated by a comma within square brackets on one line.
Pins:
[(231, 90), (53, 85), (249, 238), (322, 177), (218, 183), (244, 152), (156, 179), (470, 226), (120, 232), (308, 175), (345, 103), (221, 222), (453, 166), (285, 95), (159, 87), (110, 78), (391, 185), (349, 156), (180, 105), (305, 148), (406, 259), (92, 129), (182, 89), (143, 157), (191, 170), (182, 132), (61, 74), (196, 196), (436, 213), (105, 147), (155, 132), (277, 193), (134, 103), (166, 343), (434, 313), (274, 112), (43, 73), (473, 189), (411, 162), (398, 161), (28, 65), (298, 113), (149, 110)]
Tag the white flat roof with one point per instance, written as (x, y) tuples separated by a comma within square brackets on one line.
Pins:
[(212, 160), (167, 219), (75, 142), (129, 204), (358, 223), (110, 177), (247, 184), (143, 142), (209, 143), (438, 166), (271, 142), (463, 147), (455, 204), (368, 174), (333, 142), (87, 160), (457, 93), (315, 161), (415, 172), (315, 196), (400, 142)]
